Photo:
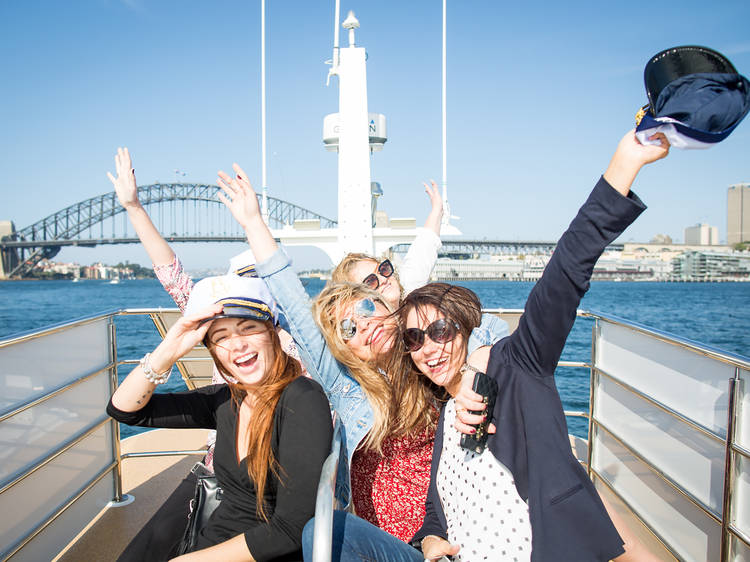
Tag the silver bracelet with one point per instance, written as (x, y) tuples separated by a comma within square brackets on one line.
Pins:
[(155, 378)]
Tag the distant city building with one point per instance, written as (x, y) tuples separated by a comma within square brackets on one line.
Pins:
[(711, 266), (702, 234), (738, 213), (661, 239)]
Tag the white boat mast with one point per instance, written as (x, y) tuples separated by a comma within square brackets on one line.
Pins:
[(264, 179), (446, 208)]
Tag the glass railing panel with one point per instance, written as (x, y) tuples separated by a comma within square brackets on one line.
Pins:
[(741, 495), (50, 541), (687, 529), (691, 459), (683, 380), (33, 434), (640, 531), (742, 434), (38, 496), (33, 367)]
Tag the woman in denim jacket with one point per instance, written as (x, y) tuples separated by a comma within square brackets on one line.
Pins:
[(349, 358)]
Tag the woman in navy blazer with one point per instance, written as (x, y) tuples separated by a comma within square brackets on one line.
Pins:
[(566, 519)]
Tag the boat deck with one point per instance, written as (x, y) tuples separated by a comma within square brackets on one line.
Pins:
[(150, 480)]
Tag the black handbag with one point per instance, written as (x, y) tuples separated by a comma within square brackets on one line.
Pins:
[(207, 498)]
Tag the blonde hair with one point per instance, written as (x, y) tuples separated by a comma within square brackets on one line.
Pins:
[(266, 394), (343, 270), (412, 408)]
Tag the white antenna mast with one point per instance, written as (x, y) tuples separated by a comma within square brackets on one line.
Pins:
[(334, 70), (446, 208), (264, 182)]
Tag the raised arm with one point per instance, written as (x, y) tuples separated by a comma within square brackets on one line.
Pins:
[(167, 266), (435, 218), (274, 268), (417, 265), (135, 392), (127, 193), (551, 307), (242, 201)]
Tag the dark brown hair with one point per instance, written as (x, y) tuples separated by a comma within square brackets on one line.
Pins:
[(458, 304)]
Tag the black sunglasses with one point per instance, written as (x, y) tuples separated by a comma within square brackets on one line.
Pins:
[(384, 269), (440, 331)]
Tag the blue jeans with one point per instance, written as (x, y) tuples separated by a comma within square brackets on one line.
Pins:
[(356, 540)]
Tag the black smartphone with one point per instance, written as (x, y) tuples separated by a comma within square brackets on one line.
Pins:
[(487, 387)]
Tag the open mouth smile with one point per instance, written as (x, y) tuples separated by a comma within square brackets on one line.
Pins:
[(246, 361), (375, 335)]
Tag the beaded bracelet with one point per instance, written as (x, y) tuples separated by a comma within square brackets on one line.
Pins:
[(156, 378), (466, 367)]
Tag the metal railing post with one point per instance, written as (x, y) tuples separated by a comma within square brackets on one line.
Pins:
[(595, 333), (734, 386), (113, 382)]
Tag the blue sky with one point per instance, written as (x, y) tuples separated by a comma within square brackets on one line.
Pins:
[(538, 96)]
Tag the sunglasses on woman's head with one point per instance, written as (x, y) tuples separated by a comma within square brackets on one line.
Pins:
[(440, 331), (363, 308), (384, 269)]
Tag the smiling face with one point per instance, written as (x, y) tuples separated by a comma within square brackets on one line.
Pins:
[(440, 362), (373, 335), (244, 348), (388, 287)]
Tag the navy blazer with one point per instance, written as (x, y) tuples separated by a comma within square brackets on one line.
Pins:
[(568, 519)]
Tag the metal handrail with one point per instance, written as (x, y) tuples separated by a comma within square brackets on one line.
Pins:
[(708, 351), (666, 409), (52, 393), (325, 500), (56, 453), (663, 477)]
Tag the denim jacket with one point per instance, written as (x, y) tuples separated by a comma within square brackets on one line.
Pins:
[(344, 393)]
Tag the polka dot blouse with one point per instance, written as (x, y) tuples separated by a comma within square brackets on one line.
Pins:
[(484, 512)]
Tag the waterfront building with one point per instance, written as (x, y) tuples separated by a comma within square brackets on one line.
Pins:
[(712, 266), (702, 234), (661, 239), (613, 266), (738, 213), (506, 268)]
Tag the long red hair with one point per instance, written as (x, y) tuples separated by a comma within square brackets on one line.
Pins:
[(260, 459)]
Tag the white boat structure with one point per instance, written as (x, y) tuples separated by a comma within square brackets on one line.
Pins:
[(668, 425)]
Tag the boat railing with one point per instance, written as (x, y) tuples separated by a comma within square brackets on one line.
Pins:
[(668, 434)]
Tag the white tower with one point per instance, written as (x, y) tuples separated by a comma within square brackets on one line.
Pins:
[(354, 208)]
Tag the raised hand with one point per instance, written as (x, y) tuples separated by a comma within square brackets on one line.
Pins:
[(239, 196), (631, 156), (125, 186), (183, 336), (435, 218)]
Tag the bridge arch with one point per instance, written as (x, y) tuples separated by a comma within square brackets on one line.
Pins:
[(45, 237)]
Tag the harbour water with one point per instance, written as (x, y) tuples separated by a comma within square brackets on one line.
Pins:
[(714, 314)]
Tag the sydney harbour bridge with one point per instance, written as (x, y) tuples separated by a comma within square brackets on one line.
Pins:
[(185, 212)]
